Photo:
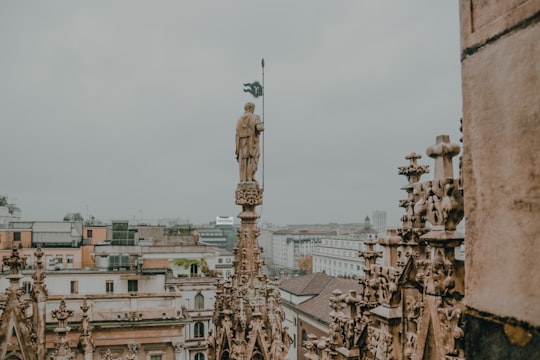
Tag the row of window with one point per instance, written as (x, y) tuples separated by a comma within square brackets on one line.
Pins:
[(338, 252), (198, 356), (220, 260), (338, 263), (133, 287), (51, 261)]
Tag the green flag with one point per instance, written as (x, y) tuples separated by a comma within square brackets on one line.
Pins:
[(254, 88)]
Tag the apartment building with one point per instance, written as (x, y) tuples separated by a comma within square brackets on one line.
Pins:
[(338, 255), (288, 246)]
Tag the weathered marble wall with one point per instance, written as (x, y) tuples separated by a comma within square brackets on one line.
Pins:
[(501, 172)]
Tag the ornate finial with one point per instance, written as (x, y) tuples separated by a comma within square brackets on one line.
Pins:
[(85, 307), (16, 262), (39, 289), (86, 342), (443, 152), (107, 355), (61, 347), (413, 171), (443, 202), (62, 314)]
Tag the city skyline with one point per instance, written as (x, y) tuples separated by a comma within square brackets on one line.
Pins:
[(127, 110)]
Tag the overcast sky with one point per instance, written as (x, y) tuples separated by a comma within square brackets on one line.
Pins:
[(127, 109)]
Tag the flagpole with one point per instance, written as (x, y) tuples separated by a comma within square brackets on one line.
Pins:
[(262, 66)]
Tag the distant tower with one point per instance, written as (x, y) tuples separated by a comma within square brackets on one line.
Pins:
[(379, 221), (248, 315)]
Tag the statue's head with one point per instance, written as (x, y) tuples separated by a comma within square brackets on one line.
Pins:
[(249, 107)]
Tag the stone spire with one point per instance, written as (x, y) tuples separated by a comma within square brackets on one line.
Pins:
[(248, 315), (39, 301), (62, 350), (15, 321), (86, 343)]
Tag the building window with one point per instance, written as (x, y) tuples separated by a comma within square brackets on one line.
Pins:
[(304, 337), (199, 301), (194, 270), (199, 329), (49, 262), (199, 356), (89, 233), (74, 286), (109, 286), (58, 261), (27, 287), (69, 261), (156, 357), (17, 236), (133, 285)]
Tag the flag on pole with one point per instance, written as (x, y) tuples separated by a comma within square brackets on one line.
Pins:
[(254, 88)]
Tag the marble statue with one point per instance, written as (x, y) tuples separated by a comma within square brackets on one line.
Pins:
[(248, 129)]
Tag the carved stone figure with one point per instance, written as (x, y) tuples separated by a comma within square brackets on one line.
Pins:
[(277, 347), (211, 345), (248, 129)]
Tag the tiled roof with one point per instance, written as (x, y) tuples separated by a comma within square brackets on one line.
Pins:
[(319, 306), (311, 284)]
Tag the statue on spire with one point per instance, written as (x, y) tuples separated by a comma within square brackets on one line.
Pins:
[(248, 129)]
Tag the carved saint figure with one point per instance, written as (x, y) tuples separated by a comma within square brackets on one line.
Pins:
[(248, 129)]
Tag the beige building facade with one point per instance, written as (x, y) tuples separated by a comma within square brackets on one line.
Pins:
[(152, 301)]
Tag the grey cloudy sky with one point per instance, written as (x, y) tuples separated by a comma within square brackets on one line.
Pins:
[(127, 109)]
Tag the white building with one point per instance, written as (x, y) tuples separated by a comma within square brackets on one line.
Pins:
[(193, 260), (289, 246), (338, 256)]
